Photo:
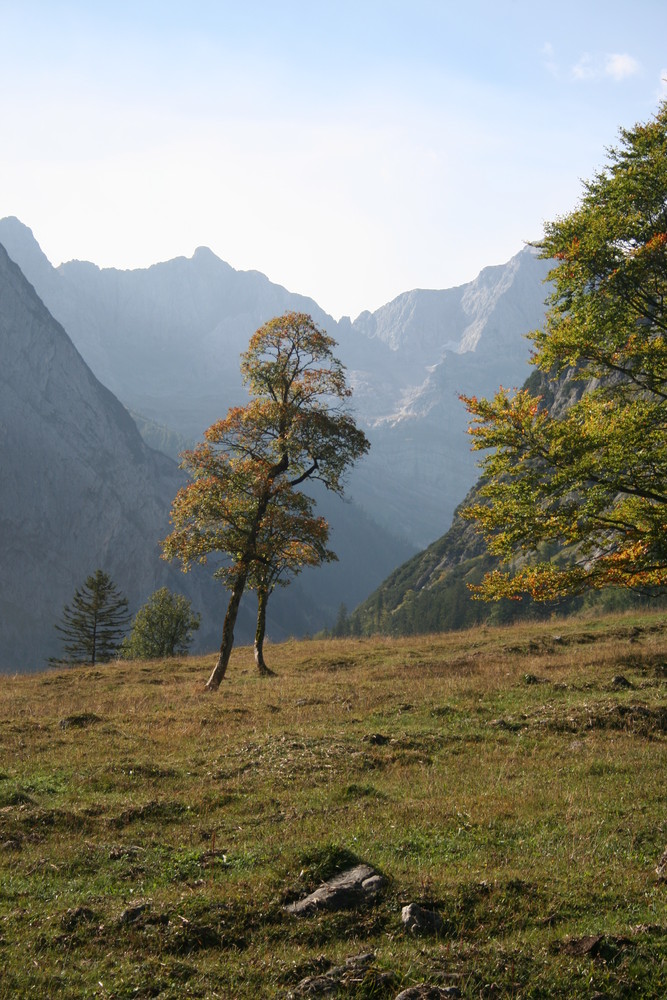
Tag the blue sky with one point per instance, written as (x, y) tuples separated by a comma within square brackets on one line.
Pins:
[(350, 151)]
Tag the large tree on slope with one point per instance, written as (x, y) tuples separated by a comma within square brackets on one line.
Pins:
[(591, 477), (294, 430)]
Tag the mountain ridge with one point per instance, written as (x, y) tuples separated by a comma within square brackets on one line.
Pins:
[(82, 490), (166, 341)]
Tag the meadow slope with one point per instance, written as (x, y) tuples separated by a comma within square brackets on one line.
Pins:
[(511, 779)]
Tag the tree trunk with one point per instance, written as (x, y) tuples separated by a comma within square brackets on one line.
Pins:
[(262, 601), (227, 643)]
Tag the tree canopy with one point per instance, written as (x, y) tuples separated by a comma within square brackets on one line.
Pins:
[(163, 627), (94, 624), (243, 499), (589, 475)]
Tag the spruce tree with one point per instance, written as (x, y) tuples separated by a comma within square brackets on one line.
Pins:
[(94, 624)]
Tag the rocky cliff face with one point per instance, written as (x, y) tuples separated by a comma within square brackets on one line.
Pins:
[(429, 592), (79, 488), (167, 340), (467, 340)]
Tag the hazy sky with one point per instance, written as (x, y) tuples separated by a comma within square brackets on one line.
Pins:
[(349, 150)]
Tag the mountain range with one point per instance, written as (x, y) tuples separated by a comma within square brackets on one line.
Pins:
[(80, 490), (165, 341)]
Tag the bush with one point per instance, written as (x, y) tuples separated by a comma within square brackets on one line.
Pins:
[(163, 627)]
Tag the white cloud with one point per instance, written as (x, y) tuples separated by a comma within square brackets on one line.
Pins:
[(620, 65), (584, 69), (617, 65)]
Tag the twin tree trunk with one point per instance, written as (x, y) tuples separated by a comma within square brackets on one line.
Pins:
[(227, 643)]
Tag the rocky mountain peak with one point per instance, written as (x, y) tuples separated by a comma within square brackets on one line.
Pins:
[(20, 243)]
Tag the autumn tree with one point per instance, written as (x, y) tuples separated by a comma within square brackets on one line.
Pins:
[(590, 476), (93, 625), (163, 627), (294, 430)]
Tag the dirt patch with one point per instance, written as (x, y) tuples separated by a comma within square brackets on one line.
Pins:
[(289, 759), (150, 810), (597, 946), (640, 720), (144, 770), (82, 720)]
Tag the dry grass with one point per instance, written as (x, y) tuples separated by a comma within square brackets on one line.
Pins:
[(505, 777)]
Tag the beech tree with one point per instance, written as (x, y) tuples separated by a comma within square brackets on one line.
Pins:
[(245, 475), (591, 477), (163, 627), (94, 624)]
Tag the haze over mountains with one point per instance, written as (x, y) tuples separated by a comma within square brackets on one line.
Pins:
[(80, 489), (166, 341), (430, 591), (77, 479)]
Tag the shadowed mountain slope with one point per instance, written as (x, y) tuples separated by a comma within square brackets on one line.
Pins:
[(430, 591), (80, 490)]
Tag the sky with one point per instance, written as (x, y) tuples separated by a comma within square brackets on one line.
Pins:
[(350, 151)]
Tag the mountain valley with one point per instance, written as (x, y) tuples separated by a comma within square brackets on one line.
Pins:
[(166, 341)]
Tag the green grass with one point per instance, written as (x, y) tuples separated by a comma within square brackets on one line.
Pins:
[(151, 833)]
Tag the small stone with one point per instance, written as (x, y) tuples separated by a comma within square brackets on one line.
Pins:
[(341, 892), (77, 915), (132, 913), (361, 961), (315, 986), (79, 721), (417, 920), (341, 978)]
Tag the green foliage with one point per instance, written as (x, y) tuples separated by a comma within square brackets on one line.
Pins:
[(93, 625), (163, 627), (590, 476), (431, 592)]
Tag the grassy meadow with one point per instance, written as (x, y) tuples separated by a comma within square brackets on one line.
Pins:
[(513, 779)]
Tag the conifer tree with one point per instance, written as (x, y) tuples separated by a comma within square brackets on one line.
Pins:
[(93, 625)]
